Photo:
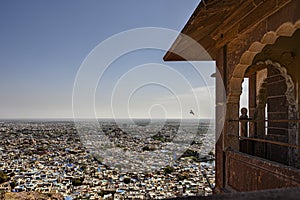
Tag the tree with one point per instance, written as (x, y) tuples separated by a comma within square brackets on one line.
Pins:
[(146, 148), (168, 169), (3, 177), (183, 176), (77, 181), (126, 180), (13, 184)]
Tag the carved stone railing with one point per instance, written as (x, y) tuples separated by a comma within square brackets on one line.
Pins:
[(249, 173)]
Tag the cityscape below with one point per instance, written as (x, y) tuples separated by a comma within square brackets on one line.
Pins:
[(64, 158)]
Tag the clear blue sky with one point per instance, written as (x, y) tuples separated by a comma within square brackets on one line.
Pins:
[(43, 43)]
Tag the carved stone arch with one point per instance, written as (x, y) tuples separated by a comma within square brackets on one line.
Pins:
[(290, 90), (285, 30), (260, 110), (289, 111), (235, 83)]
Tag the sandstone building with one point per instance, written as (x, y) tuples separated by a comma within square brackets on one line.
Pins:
[(257, 40)]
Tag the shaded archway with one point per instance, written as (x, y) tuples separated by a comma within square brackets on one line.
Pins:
[(276, 93), (286, 30)]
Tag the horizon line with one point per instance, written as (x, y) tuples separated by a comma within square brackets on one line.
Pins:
[(90, 118)]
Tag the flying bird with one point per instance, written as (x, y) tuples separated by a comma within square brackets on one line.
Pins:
[(192, 113)]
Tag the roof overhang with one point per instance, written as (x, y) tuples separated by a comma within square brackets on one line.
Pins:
[(215, 22)]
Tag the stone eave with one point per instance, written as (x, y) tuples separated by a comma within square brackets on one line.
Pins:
[(216, 22)]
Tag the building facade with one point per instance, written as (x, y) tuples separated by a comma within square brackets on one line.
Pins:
[(257, 41)]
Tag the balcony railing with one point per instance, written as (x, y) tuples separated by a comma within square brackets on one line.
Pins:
[(244, 131), (263, 144)]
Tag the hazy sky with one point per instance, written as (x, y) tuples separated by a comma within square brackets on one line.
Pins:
[(43, 43)]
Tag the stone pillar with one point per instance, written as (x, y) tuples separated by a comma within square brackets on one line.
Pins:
[(252, 103), (221, 85), (231, 139)]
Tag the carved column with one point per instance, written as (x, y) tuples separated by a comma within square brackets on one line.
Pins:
[(232, 126)]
